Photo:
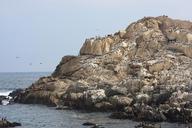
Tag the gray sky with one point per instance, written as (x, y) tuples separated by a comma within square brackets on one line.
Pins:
[(43, 31)]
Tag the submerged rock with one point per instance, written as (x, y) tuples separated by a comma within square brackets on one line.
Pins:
[(143, 71), (6, 124), (89, 124), (147, 125), (94, 125)]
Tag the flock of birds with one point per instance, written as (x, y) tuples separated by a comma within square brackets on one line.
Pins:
[(30, 64)]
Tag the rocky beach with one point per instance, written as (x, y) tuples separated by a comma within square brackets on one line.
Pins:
[(141, 73)]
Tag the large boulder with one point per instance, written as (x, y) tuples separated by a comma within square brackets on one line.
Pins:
[(97, 46), (116, 90), (120, 102), (94, 96)]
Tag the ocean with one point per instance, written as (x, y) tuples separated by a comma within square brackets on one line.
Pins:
[(40, 116)]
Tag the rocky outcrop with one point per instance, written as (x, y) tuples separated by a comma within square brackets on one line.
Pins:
[(6, 124), (141, 73), (98, 46)]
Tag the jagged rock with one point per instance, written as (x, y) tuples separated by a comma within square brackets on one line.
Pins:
[(115, 90), (104, 106), (45, 91), (143, 98), (6, 124), (147, 113), (162, 97), (185, 49), (95, 96), (189, 37), (179, 115), (121, 33), (147, 89), (145, 64), (98, 46), (120, 101), (15, 93), (159, 65), (129, 111)]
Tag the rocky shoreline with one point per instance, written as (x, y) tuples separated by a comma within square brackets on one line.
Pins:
[(141, 73)]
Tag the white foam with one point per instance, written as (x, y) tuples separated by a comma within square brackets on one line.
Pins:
[(4, 93), (5, 102)]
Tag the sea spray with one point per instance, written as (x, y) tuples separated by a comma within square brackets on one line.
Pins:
[(7, 98)]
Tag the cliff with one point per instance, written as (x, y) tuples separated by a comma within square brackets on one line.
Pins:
[(144, 72)]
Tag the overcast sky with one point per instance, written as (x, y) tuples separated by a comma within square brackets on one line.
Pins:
[(36, 34)]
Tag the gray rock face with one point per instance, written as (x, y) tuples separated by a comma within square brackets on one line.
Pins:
[(147, 64)]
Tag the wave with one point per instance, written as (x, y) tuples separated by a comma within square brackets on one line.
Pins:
[(4, 93), (5, 102)]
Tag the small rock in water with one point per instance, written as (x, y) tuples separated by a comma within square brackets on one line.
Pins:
[(94, 125), (63, 108), (6, 124), (89, 124), (147, 125), (14, 124)]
